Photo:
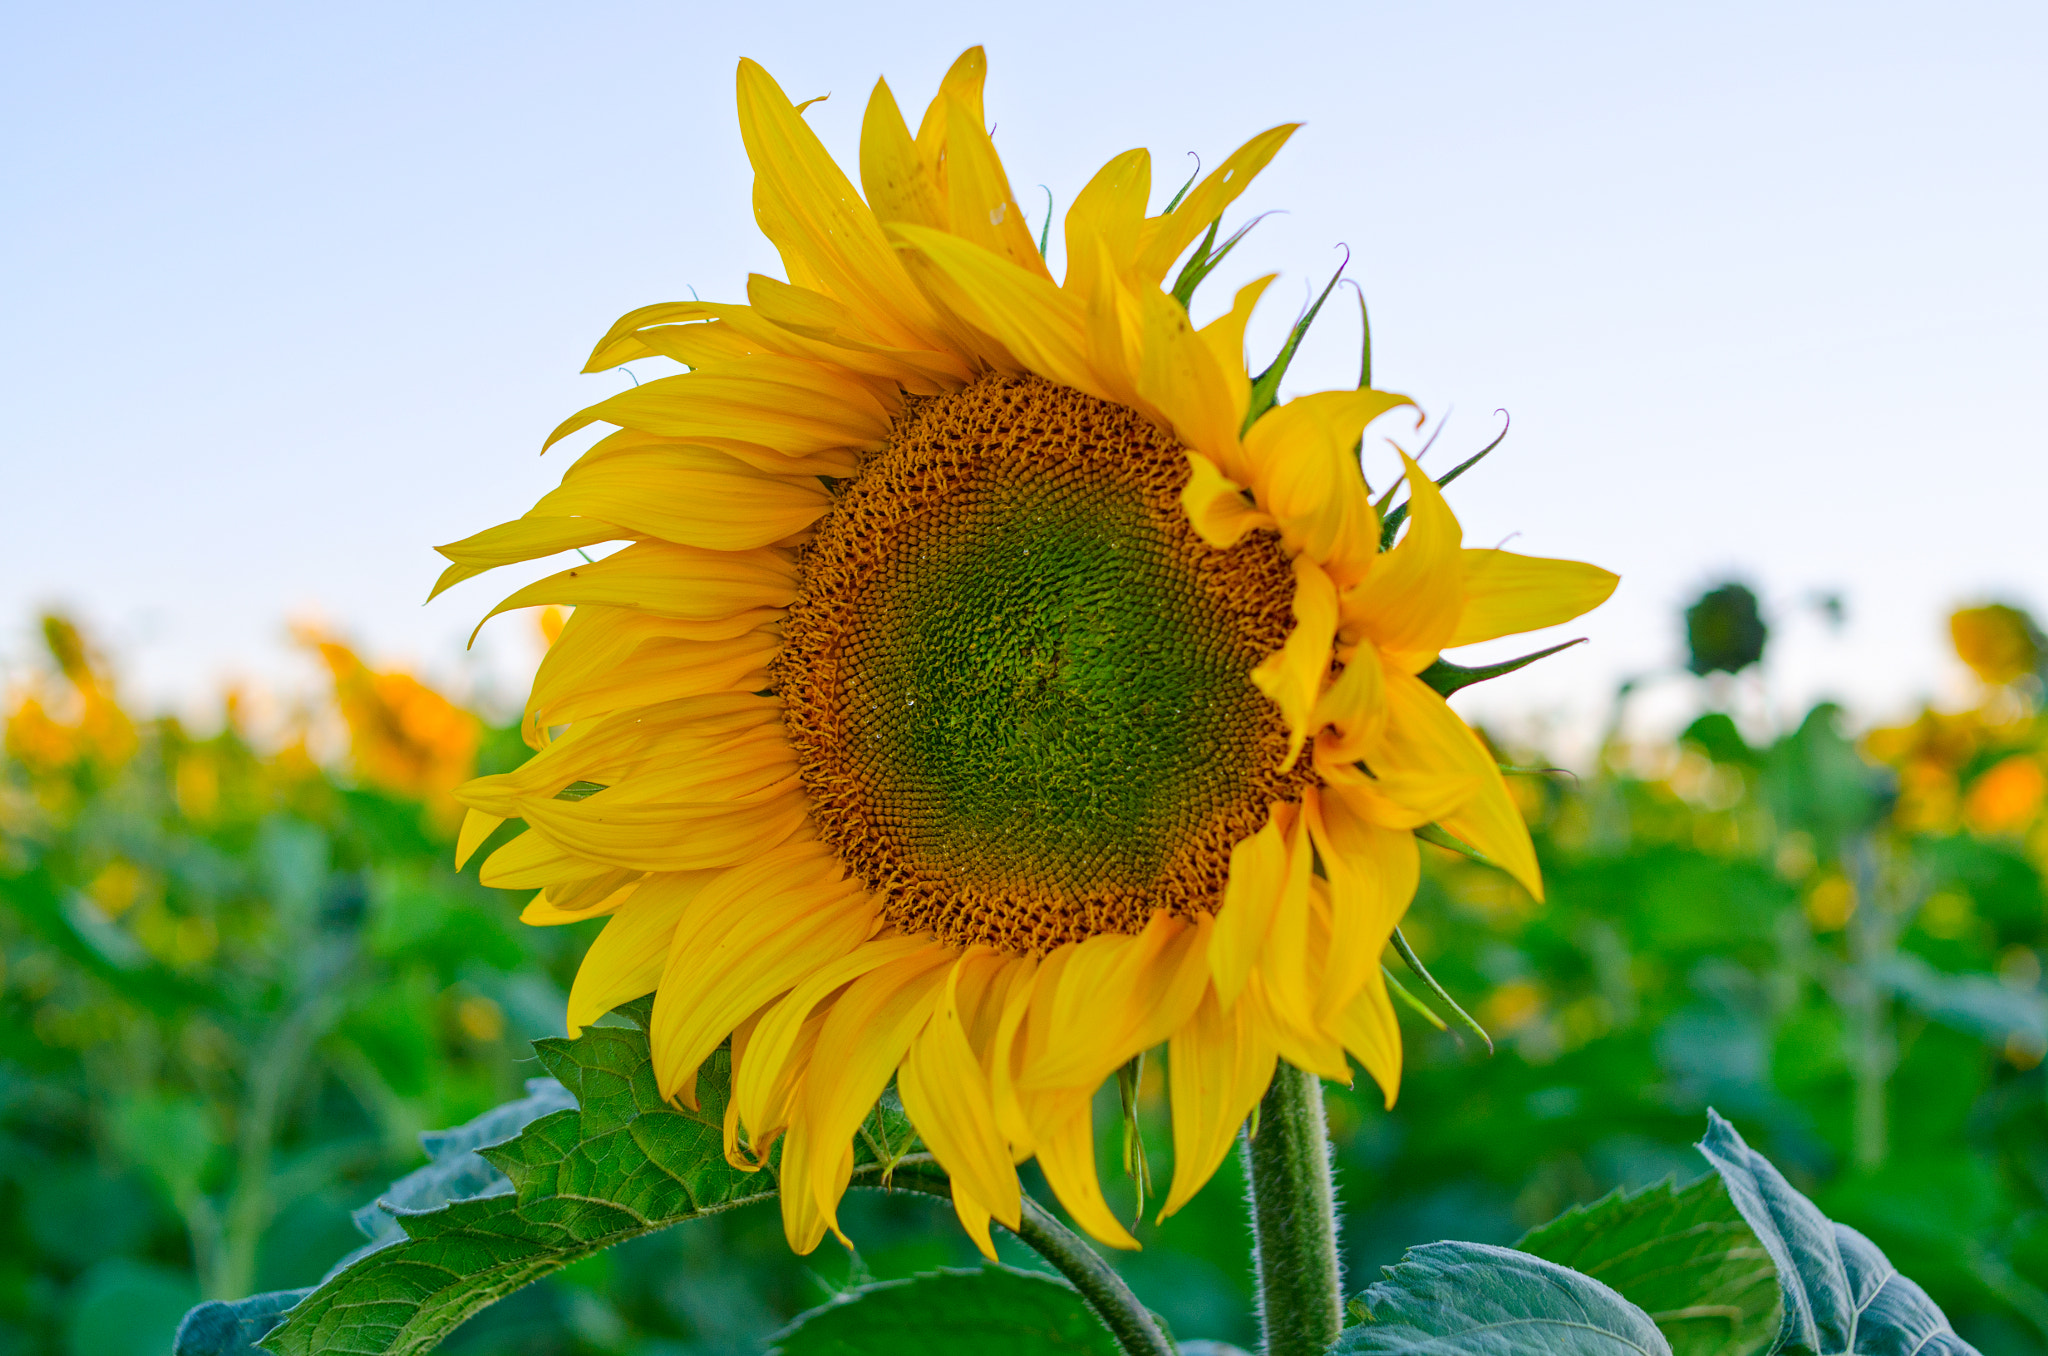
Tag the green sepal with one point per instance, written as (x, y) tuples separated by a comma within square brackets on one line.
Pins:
[(1446, 677), (1465, 1020), (1391, 519), (1266, 386), (1203, 261)]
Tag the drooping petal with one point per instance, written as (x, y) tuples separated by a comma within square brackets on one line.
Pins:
[(1506, 594), (1292, 676), (863, 1041), (1220, 1063), (751, 934), (1425, 737), (1367, 1027), (1372, 873), (1116, 997), (947, 1096), (1216, 505), (1064, 1125), (1262, 875)]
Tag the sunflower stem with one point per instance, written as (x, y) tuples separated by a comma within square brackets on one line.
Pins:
[(1294, 1218), (1127, 1319)]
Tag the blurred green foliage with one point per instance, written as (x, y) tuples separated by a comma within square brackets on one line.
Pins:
[(238, 983)]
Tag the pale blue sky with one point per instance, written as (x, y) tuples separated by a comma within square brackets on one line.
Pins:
[(293, 292)]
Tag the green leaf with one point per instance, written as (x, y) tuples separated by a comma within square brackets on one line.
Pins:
[(1683, 1254), (1841, 1296), (993, 1311), (622, 1163), (1470, 1299)]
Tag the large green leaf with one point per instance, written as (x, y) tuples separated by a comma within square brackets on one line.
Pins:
[(1470, 1299), (993, 1311), (620, 1163), (1683, 1254), (1841, 1296)]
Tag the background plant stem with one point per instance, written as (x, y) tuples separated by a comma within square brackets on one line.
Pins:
[(1294, 1218)]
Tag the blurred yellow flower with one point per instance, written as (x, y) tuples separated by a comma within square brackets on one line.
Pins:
[(2000, 643), (2007, 798), (404, 737)]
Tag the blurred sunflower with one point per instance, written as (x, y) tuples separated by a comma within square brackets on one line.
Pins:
[(981, 702)]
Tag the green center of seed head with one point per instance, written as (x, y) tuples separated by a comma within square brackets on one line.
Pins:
[(1060, 704)]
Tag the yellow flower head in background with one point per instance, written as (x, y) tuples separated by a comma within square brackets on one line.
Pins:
[(980, 702), (2000, 643), (404, 737)]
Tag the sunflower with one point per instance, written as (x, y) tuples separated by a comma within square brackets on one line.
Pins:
[(983, 697)]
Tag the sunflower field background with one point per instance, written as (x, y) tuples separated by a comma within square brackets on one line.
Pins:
[(240, 981)]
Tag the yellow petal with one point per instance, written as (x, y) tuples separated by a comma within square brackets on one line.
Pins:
[(594, 897), (476, 826), (1064, 1124), (863, 1041), (1353, 706), (1168, 235), (1305, 472), (1220, 1062), (984, 210), (1372, 873), (1368, 1029), (1259, 877), (1506, 594), (1292, 676), (1026, 314), (670, 581), (1425, 736), (1410, 603), (946, 1094), (656, 671), (1216, 505), (795, 406), (780, 1043), (627, 958), (1103, 224), (1224, 337), (690, 495), (531, 861), (528, 538), (1116, 997), (746, 937), (891, 171), (827, 236), (803, 1187)]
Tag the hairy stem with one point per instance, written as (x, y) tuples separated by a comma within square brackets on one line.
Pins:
[(1128, 1320), (1294, 1218)]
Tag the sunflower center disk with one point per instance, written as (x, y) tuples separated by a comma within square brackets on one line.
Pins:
[(1018, 683)]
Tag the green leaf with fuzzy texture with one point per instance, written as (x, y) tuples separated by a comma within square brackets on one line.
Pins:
[(1682, 1254), (1471, 1299), (993, 1311), (621, 1164)]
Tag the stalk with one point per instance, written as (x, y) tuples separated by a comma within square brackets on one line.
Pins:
[(1294, 1218), (1127, 1319)]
